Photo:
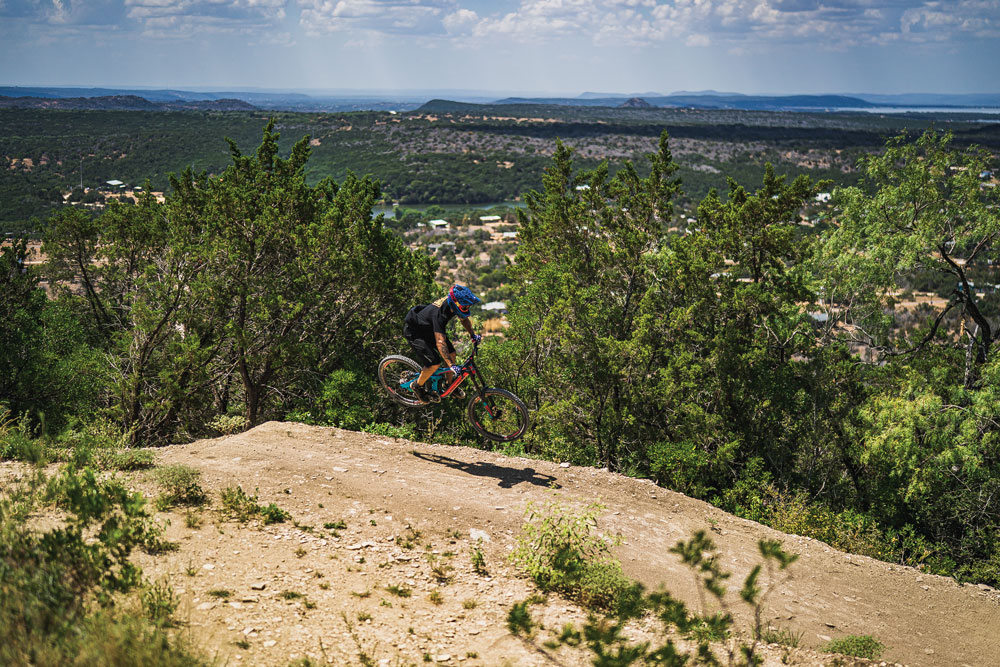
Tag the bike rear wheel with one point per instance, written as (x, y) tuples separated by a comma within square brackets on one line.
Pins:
[(498, 414), (395, 372)]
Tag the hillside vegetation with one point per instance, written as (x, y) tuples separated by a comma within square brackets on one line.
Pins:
[(445, 152), (771, 372)]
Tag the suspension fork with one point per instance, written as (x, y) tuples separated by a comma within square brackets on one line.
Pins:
[(480, 386)]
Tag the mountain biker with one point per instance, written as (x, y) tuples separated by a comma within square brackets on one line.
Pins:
[(426, 329)]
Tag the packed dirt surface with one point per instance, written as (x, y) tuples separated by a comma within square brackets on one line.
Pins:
[(396, 585)]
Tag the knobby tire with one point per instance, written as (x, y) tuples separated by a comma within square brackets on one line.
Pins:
[(513, 415), (390, 370)]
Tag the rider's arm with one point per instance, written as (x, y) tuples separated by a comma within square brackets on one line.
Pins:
[(468, 326)]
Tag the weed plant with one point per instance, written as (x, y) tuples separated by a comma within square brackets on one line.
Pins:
[(567, 547), (238, 505), (560, 551), (179, 486), (859, 646)]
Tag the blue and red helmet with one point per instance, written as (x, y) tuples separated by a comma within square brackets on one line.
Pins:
[(461, 299)]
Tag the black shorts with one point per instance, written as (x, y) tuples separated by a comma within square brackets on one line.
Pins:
[(425, 350)]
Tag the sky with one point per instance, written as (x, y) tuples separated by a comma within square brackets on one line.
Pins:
[(548, 47)]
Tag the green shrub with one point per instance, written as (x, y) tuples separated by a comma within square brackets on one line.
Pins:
[(17, 445), (125, 459), (273, 514), (558, 549), (179, 486), (58, 582), (228, 424), (237, 504), (406, 432), (859, 646), (608, 638), (479, 561)]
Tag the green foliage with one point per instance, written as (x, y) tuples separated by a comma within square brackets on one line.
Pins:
[(925, 210), (228, 424), (239, 291), (59, 581), (560, 551), (783, 636), (46, 366), (607, 639), (478, 560), (125, 459), (271, 513), (160, 603), (399, 591), (179, 486), (519, 619), (859, 646), (238, 505)]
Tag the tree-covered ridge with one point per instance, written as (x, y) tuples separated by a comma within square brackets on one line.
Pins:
[(494, 154), (782, 375)]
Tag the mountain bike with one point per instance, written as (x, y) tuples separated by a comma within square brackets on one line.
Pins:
[(495, 413)]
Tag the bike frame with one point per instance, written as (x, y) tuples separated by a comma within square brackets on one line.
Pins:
[(469, 370)]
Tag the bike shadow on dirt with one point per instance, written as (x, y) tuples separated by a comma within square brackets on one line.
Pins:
[(509, 477)]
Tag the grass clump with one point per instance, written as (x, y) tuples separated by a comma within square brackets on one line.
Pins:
[(179, 486), (783, 636), (160, 603), (561, 551), (242, 507), (858, 646), (400, 591)]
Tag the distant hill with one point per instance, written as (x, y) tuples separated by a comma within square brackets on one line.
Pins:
[(932, 99), (702, 101), (123, 103), (635, 103), (448, 106)]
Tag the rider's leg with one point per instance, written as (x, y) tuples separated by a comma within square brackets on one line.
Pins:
[(426, 373)]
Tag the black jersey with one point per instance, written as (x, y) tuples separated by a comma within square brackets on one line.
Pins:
[(426, 320)]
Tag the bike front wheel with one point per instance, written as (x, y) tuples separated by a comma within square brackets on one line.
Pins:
[(498, 414), (397, 374)]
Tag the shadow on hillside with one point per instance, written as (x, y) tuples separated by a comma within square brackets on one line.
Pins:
[(509, 477)]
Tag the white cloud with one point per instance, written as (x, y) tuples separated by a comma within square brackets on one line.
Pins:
[(738, 23), (460, 21), (383, 16), (201, 16)]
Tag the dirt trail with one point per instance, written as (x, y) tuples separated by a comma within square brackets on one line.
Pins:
[(412, 513)]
